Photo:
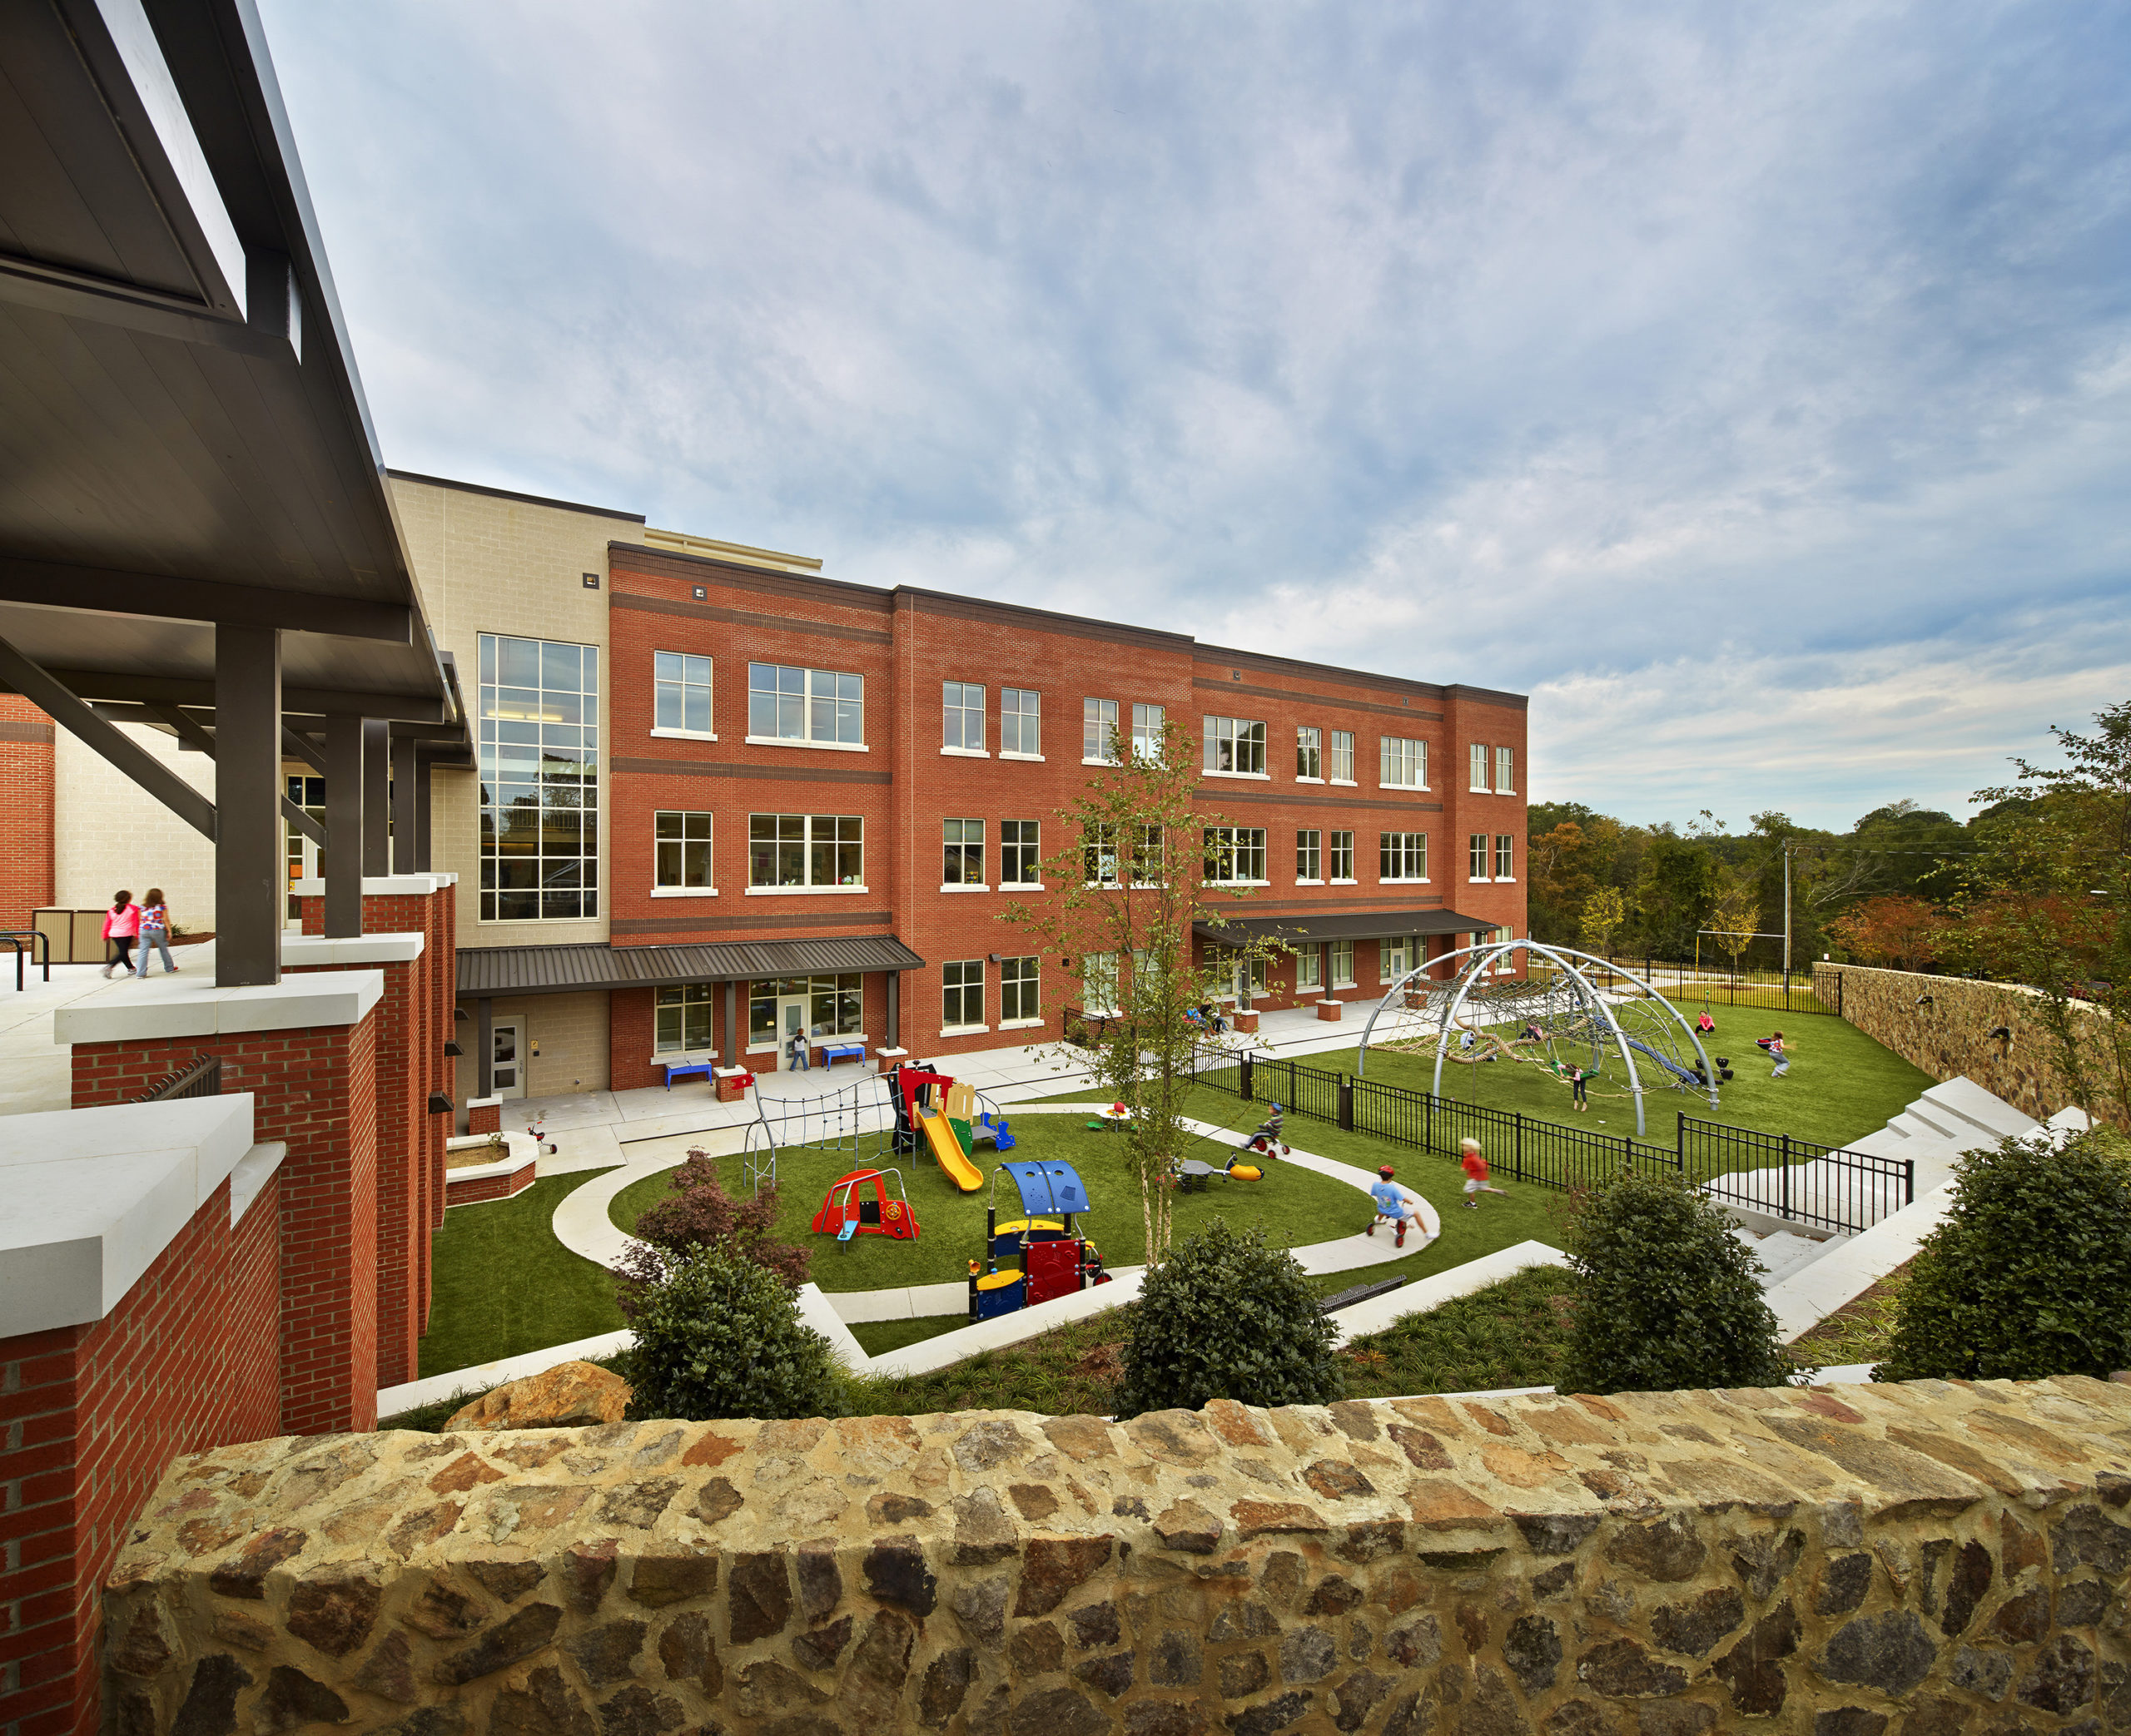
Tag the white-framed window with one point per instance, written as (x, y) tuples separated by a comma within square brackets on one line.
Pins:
[(1309, 855), (1505, 856), (1099, 982), (964, 863), (1020, 857), (1149, 857), (1020, 1001), (681, 1019), (1310, 967), (1309, 760), (1020, 722), (961, 1001), (1505, 771), (1235, 855), (1235, 744), (822, 707), (1340, 847), (539, 759), (1396, 955), (1343, 964), (1098, 863), (680, 693), (1098, 731), (1402, 855), (805, 850), (1476, 856), (961, 703), (1479, 767), (1339, 763), (1404, 763), (1147, 732), (681, 850)]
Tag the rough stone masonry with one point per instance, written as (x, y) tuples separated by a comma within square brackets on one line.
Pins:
[(1918, 1559)]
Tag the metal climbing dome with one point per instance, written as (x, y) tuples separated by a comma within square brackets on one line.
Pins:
[(1555, 1015)]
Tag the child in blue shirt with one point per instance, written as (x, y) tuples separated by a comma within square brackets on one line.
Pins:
[(1392, 1203)]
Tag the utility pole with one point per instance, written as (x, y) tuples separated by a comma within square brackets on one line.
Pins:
[(1786, 909)]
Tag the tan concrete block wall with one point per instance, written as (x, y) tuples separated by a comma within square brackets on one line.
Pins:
[(1949, 1039), (108, 832), (1913, 1561), (492, 565), (571, 1032)]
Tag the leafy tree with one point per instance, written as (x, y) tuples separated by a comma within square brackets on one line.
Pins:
[(1668, 1297), (1227, 1317), (1896, 930), (1735, 912), (2029, 1273), (1561, 880), (698, 1213), (1144, 865), (1673, 894), (718, 1336), (1604, 912)]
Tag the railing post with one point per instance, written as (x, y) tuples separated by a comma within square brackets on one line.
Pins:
[(1909, 1181), (1243, 1076), (1787, 1175), (1346, 1114), (1680, 1141), (1519, 1162)]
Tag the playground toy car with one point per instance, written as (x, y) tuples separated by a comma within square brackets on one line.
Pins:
[(844, 1215), (1267, 1142), (1038, 1255)]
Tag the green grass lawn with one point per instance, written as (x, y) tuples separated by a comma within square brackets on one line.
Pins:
[(502, 1285), (1296, 1206)]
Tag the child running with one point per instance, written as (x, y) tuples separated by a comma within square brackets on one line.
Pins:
[(1776, 1053), (1476, 1175), (1391, 1203)]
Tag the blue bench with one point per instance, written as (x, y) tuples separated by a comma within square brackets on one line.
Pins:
[(687, 1070), (831, 1052)]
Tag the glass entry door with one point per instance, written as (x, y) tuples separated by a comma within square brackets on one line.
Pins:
[(506, 1045), (792, 1011)]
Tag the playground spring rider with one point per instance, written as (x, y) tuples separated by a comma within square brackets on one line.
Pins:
[(1038, 1255), (844, 1215)]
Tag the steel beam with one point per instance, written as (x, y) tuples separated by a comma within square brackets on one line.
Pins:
[(187, 691), (188, 731), (405, 825), (77, 295), (377, 772), (42, 688), (302, 747), (115, 591), (344, 816), (249, 897)]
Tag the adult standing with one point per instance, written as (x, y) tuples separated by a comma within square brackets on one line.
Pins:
[(121, 923), (155, 932)]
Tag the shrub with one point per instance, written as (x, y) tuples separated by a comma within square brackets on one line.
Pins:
[(1668, 1297), (698, 1213), (716, 1336), (2029, 1274), (1226, 1317)]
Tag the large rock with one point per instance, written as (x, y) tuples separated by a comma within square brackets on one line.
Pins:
[(571, 1394)]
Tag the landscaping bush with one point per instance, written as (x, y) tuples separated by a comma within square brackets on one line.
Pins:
[(2029, 1274), (1668, 1298), (1226, 1317), (699, 1213), (718, 1336)]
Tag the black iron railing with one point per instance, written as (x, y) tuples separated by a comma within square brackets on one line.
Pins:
[(203, 1078), (1764, 1172)]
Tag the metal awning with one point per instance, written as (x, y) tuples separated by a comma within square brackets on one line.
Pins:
[(501, 970), (1340, 926)]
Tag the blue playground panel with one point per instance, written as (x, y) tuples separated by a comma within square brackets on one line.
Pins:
[(1048, 1190)]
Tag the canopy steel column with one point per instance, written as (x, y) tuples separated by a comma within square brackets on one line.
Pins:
[(423, 770), (250, 908), (895, 1010), (376, 773), (405, 825), (732, 1024), (484, 1056), (344, 809)]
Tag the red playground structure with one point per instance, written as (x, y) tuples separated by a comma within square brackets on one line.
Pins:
[(844, 1214)]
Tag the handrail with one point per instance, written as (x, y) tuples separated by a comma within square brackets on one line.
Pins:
[(15, 937), (202, 1078)]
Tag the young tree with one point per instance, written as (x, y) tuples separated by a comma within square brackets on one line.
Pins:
[(1142, 866), (1737, 912), (1604, 911), (696, 1214)]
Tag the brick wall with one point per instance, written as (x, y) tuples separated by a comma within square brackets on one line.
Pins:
[(486, 1188), (26, 816), (93, 1415)]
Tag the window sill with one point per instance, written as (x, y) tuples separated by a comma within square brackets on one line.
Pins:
[(1342, 883), (801, 891), (1505, 880), (1022, 885), (684, 735), (1086, 761), (1478, 879), (1338, 986), (964, 753), (1230, 883), (794, 741), (1344, 783), (1404, 881), (1019, 1024), (1034, 758), (1256, 777), (1301, 779), (684, 892), (1479, 790), (1309, 882), (964, 1030), (1412, 789), (966, 886)]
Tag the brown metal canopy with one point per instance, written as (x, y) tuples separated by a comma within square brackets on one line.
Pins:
[(575, 969), (1341, 925)]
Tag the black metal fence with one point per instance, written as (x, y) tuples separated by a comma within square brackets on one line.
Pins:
[(203, 1078), (1714, 981), (1763, 1172)]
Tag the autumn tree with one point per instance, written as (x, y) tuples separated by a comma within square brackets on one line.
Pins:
[(1896, 930), (1141, 866), (1604, 911)]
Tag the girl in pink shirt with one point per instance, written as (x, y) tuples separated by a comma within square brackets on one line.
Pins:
[(121, 922)]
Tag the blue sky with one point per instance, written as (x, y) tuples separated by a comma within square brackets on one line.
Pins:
[(1750, 385)]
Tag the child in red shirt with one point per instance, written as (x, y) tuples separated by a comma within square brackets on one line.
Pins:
[(1476, 1175)]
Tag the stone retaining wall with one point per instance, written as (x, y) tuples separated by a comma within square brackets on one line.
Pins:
[(1918, 1559), (1949, 1039)]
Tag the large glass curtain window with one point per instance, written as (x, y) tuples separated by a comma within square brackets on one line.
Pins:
[(539, 748), (682, 1018), (836, 1006)]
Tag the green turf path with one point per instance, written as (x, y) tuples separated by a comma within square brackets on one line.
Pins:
[(502, 1284)]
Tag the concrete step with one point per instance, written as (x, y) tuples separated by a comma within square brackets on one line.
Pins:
[(1782, 1253), (1972, 1110)]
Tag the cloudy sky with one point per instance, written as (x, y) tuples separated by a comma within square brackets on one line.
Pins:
[(1752, 385)]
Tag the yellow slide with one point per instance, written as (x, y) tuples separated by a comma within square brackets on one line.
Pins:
[(948, 1149)]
